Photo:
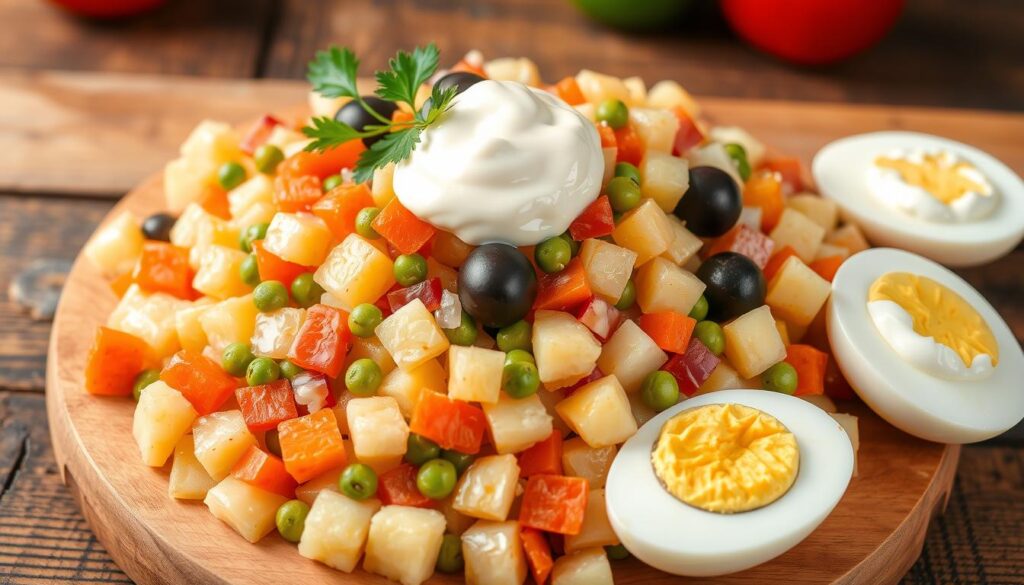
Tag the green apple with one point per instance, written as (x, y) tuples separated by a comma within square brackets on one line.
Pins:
[(635, 14)]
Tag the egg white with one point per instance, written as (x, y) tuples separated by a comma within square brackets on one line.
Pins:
[(677, 538), (909, 398)]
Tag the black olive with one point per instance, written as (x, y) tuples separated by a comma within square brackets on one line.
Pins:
[(158, 226), (358, 118), (497, 285), (735, 285), (462, 80), (712, 204)]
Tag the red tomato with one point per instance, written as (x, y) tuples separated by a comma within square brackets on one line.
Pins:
[(108, 8), (812, 32), (596, 220)]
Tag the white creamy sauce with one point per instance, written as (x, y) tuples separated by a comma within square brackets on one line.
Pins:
[(507, 163)]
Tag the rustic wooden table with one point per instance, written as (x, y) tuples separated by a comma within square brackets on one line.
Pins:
[(87, 109)]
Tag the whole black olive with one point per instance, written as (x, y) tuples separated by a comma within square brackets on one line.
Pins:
[(735, 285), (358, 118), (497, 285), (158, 227), (712, 204), (462, 80)]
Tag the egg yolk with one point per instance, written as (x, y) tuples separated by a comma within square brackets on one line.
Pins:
[(726, 458), (938, 174), (939, 313)]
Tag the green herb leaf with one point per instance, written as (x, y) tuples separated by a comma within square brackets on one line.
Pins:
[(328, 133), (393, 148), (333, 73), (407, 74), (440, 101)]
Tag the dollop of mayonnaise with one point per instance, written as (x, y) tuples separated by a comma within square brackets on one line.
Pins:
[(507, 163)]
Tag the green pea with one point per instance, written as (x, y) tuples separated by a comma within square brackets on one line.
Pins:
[(269, 296), (781, 377), (518, 335), (420, 449), (250, 270), (306, 291), (700, 309), (552, 254), (573, 244), (261, 371), (236, 358), (273, 441), (364, 222), (738, 154), (256, 231), (519, 355), (465, 334), (520, 379), (331, 182), (363, 377), (410, 269), (291, 519), (267, 157), (628, 296), (616, 552), (711, 335), (623, 194), (660, 390), (436, 479), (145, 378), (613, 112), (358, 481), (461, 461), (364, 319), (288, 369), (230, 175), (449, 558), (628, 170)]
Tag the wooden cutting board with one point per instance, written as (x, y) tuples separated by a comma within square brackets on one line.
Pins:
[(873, 536)]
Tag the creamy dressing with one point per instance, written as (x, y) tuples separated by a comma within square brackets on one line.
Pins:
[(507, 163)]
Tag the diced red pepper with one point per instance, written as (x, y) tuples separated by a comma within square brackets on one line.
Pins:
[(764, 191), (554, 503), (776, 261), (164, 267), (600, 316), (791, 170), (631, 146), (450, 423), (294, 194), (115, 360), (543, 458), (311, 445), (265, 471), (669, 329), (340, 206), (200, 380), (569, 91), (397, 487), (827, 267), (266, 406), (538, 554), (273, 267), (596, 221), (402, 228), (693, 367), (688, 135), (563, 290), (322, 164), (429, 291), (745, 240), (258, 133), (595, 374), (214, 200), (322, 341), (810, 365), (607, 135)]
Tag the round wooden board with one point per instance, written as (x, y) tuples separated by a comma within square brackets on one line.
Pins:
[(874, 535)]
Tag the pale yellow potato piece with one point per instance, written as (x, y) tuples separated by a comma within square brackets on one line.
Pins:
[(599, 413), (403, 543), (259, 212), (669, 94), (407, 387), (657, 128), (752, 343), (799, 231), (377, 428), (518, 69), (645, 230), (596, 530), (663, 286), (188, 479), (221, 438), (161, 419), (820, 210), (797, 293), (822, 401), (457, 522), (186, 324), (275, 331), (664, 178), (198, 227), (591, 463), (598, 87), (607, 267), (382, 188), (150, 317), (564, 348), (493, 553), (411, 336), (783, 331), (184, 182), (630, 355), (370, 347), (723, 377), (586, 567), (302, 238), (474, 374), (355, 272), (487, 488), (257, 189), (848, 236), (229, 321), (829, 251), (684, 246), (336, 530), (637, 91), (754, 148), (516, 424), (116, 247), (219, 275), (327, 481), (248, 509)]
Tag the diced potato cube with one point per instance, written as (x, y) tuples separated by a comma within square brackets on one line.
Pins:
[(336, 530), (258, 189), (519, 69), (275, 331), (630, 354), (355, 272), (797, 230), (161, 419), (286, 139), (664, 178), (607, 267), (219, 275), (754, 148), (185, 181), (637, 91), (599, 413), (645, 230), (324, 106), (597, 87), (449, 276), (150, 317), (186, 323), (564, 348), (116, 246), (403, 543), (685, 244), (830, 251), (457, 521), (474, 374), (663, 286), (848, 236), (214, 141), (849, 424), (550, 398), (251, 511), (449, 250), (377, 429), (493, 554), (325, 482), (188, 479), (591, 463), (229, 321), (820, 210), (517, 424), (723, 377), (198, 227), (259, 212), (596, 530), (407, 386), (411, 336), (221, 438), (783, 331), (487, 488), (669, 94), (657, 128), (641, 412), (752, 343), (796, 293), (382, 187), (586, 567), (370, 347), (302, 238)]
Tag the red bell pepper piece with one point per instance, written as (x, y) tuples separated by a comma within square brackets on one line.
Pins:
[(595, 374), (597, 220), (688, 135), (322, 341), (265, 471), (810, 365), (693, 367), (429, 291), (293, 194), (538, 554), (398, 225), (569, 91), (563, 290), (554, 503), (273, 267), (200, 380), (631, 146), (311, 445), (397, 487), (340, 206), (115, 360), (450, 423), (543, 458), (745, 240), (669, 329), (776, 261), (600, 316), (163, 267), (827, 267), (258, 133), (607, 135), (323, 164), (266, 406)]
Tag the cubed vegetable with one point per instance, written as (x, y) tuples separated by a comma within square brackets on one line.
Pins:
[(149, 317), (848, 236), (596, 530), (230, 321), (114, 361), (764, 191), (200, 380), (406, 387), (397, 487), (264, 407), (371, 347), (827, 267), (597, 87), (301, 238), (596, 221), (564, 348), (265, 471), (219, 274), (164, 267), (323, 163), (669, 94), (684, 244), (487, 488), (272, 267), (669, 329), (820, 210), (538, 554), (776, 261), (474, 374), (796, 293), (665, 178), (723, 377), (336, 530), (752, 343), (517, 424), (630, 354), (810, 365), (663, 286), (162, 418), (311, 445), (322, 341), (591, 463), (294, 194), (585, 567), (564, 290), (382, 188), (607, 267), (800, 232), (428, 292), (790, 169), (691, 133), (188, 479), (402, 228), (554, 503), (600, 316), (543, 457), (745, 240), (221, 439), (356, 272), (377, 429), (411, 336), (275, 332), (116, 246), (338, 209), (645, 230), (403, 543), (493, 553), (188, 327), (599, 413), (657, 129), (452, 424), (257, 189), (249, 510)]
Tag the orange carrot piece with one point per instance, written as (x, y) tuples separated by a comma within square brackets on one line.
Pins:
[(563, 290), (163, 267), (827, 267), (294, 194), (340, 206), (764, 190), (543, 458), (265, 471), (607, 136), (631, 146), (214, 200), (322, 164), (397, 487), (554, 503), (810, 365), (311, 445), (538, 554), (322, 341), (776, 261), (200, 380), (266, 406), (569, 91), (792, 171), (120, 284), (273, 267), (114, 361), (452, 424), (669, 329), (405, 231)]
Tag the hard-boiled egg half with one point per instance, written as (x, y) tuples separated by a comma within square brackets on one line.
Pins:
[(725, 481), (923, 349), (937, 197)]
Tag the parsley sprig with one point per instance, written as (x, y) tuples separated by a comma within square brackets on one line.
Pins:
[(333, 73)]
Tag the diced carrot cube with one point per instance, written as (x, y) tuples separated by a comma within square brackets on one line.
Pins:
[(763, 190), (265, 471), (214, 200), (669, 329), (120, 284), (827, 267), (450, 423), (569, 91), (114, 361), (200, 380), (543, 458), (273, 267), (323, 164), (405, 231), (791, 170), (266, 406), (554, 503), (163, 267), (776, 261), (563, 290), (294, 194), (322, 341), (745, 240), (340, 206), (607, 135), (464, 65), (397, 487), (689, 133), (810, 365), (311, 445), (597, 220), (538, 554), (631, 146), (400, 118)]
